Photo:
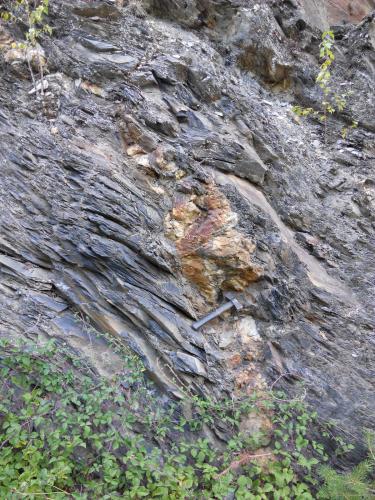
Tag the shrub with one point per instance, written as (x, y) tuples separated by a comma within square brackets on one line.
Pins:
[(67, 433)]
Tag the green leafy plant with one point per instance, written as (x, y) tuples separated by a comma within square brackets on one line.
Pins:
[(331, 101), (33, 15), (67, 433)]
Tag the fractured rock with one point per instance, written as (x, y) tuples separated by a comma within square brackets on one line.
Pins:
[(214, 255)]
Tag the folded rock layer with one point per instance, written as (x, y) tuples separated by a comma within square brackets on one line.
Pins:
[(163, 167)]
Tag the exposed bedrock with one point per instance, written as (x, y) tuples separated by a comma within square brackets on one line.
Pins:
[(164, 167)]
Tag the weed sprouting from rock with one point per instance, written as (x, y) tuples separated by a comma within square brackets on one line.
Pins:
[(33, 16), (331, 101)]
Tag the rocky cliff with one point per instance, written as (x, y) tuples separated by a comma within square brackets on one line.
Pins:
[(340, 11), (164, 167)]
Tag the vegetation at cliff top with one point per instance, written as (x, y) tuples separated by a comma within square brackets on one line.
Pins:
[(67, 433)]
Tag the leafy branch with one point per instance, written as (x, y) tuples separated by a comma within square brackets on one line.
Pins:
[(331, 101), (32, 14)]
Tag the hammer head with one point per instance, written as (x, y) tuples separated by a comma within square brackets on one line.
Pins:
[(236, 303)]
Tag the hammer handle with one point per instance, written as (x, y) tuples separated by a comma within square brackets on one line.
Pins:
[(197, 324)]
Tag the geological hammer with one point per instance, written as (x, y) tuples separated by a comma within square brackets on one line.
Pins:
[(232, 302)]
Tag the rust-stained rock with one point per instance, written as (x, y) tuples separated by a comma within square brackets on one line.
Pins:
[(234, 361), (250, 380), (93, 88), (98, 9), (133, 132), (352, 11), (214, 254)]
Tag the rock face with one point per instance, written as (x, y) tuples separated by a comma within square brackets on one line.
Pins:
[(352, 11), (164, 167)]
